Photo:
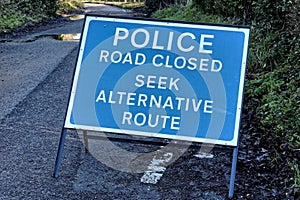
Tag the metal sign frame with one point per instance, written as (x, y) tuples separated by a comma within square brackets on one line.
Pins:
[(229, 85)]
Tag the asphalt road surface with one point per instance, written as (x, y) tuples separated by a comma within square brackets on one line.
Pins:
[(35, 78)]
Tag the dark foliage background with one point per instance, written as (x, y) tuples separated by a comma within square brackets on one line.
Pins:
[(17, 13), (33, 7)]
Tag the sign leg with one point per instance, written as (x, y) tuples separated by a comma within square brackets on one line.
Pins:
[(60, 152), (233, 172), (86, 141)]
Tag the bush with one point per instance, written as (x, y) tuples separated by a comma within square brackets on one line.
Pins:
[(10, 18), (17, 13), (33, 7)]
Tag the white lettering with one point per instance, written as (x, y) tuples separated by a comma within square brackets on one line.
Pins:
[(153, 100), (140, 38), (208, 106), (140, 82), (110, 100), (130, 99), (183, 60), (101, 96), (121, 94), (203, 63), (175, 124), (168, 103), (179, 42), (151, 80), (120, 37), (116, 57), (155, 40), (140, 55), (126, 118), (103, 55), (142, 98), (142, 116), (171, 35), (127, 58), (214, 64), (141, 119), (155, 64), (173, 83), (162, 82), (204, 43), (164, 120), (155, 123), (146, 40), (196, 107)]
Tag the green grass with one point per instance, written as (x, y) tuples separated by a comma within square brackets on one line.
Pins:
[(68, 6), (119, 3), (186, 13)]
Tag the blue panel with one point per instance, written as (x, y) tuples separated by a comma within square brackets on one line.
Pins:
[(160, 78)]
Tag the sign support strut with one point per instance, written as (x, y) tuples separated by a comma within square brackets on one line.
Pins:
[(185, 71), (61, 148), (233, 172), (60, 151)]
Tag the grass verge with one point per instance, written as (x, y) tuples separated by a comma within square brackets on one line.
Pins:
[(121, 4)]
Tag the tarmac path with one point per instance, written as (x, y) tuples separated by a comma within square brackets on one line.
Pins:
[(35, 77)]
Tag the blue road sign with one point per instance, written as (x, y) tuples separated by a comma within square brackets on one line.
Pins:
[(160, 79)]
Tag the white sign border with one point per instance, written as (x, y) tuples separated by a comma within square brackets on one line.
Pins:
[(89, 18)]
